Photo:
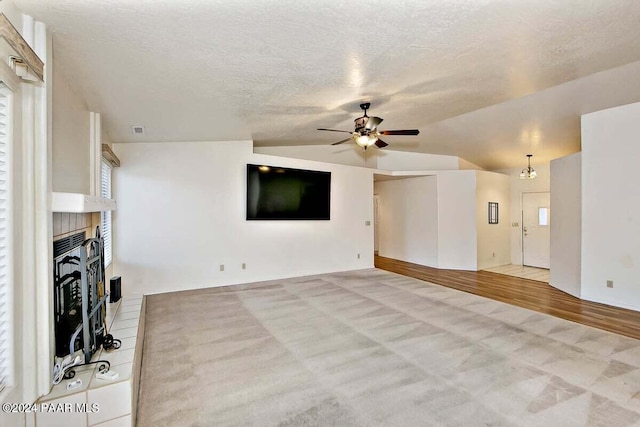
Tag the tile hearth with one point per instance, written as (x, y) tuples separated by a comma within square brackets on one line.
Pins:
[(115, 398)]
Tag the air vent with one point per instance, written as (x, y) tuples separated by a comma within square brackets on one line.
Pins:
[(66, 244), (138, 130)]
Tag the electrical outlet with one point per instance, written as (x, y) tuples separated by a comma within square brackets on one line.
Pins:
[(221, 267), (367, 223), (244, 266), (358, 256), (609, 283)]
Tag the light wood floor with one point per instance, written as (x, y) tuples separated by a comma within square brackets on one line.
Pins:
[(531, 294)]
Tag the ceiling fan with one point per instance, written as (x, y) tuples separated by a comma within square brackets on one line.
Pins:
[(366, 131)]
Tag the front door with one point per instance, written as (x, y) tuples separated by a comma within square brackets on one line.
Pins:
[(535, 229)]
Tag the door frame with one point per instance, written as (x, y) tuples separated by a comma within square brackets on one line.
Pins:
[(376, 225)]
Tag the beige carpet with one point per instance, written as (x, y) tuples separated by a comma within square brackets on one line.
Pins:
[(374, 348)]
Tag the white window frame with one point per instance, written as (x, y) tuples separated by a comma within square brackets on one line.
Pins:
[(7, 342), (106, 224)]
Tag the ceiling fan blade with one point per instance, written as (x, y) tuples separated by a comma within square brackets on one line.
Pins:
[(373, 123), (336, 130), (381, 144), (400, 132), (344, 140)]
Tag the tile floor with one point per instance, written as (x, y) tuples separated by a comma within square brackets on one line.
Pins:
[(531, 273)]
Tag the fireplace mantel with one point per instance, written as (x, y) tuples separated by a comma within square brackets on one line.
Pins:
[(80, 203)]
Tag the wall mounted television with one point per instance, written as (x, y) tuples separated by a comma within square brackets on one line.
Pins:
[(277, 193)]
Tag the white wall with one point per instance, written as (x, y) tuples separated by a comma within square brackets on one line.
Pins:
[(181, 213), (345, 154), (408, 219), (384, 159), (566, 226), (464, 164), (611, 206), (519, 186), (441, 220), (407, 161), (493, 239), (457, 238), (71, 158)]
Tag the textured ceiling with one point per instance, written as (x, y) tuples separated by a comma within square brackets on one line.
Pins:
[(276, 70)]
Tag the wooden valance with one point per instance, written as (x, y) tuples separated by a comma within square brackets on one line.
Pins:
[(110, 156), (21, 47)]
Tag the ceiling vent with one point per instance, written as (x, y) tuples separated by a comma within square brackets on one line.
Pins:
[(138, 130)]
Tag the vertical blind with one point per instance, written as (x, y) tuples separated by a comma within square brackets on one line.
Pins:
[(105, 217), (5, 259)]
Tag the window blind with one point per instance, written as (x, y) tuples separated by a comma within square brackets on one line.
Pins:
[(105, 217), (6, 340)]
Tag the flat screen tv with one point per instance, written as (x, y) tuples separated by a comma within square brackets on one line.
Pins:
[(276, 193)]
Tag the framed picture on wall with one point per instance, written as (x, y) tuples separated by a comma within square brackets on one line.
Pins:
[(493, 212)]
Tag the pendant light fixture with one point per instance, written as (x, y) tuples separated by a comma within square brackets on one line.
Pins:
[(528, 172)]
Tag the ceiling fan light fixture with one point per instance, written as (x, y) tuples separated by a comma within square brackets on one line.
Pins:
[(528, 172), (365, 140)]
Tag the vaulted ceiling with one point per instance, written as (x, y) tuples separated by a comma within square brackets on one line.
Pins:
[(486, 80)]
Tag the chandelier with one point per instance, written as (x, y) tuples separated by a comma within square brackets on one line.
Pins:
[(528, 172)]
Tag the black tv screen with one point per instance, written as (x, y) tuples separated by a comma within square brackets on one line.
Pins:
[(275, 193)]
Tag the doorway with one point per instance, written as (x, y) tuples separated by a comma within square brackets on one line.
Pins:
[(376, 213), (536, 217)]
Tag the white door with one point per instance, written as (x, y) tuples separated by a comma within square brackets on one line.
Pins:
[(535, 229), (376, 237)]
